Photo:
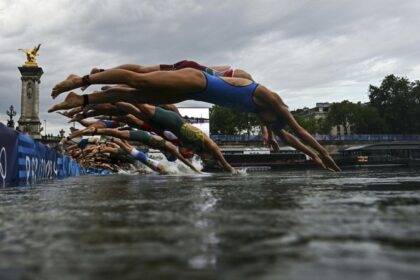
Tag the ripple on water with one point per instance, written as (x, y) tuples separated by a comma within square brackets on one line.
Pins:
[(269, 225)]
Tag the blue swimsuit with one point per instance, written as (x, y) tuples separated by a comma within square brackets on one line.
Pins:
[(110, 124), (220, 92)]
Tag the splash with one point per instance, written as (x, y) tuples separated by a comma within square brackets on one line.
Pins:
[(243, 171), (177, 167), (135, 169)]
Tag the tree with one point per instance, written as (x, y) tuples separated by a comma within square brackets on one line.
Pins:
[(398, 103), (341, 114), (367, 120), (311, 124), (356, 117), (226, 121)]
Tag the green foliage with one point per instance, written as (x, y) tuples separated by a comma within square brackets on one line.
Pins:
[(398, 103), (356, 117), (311, 124), (394, 108), (342, 113), (367, 120), (226, 121)]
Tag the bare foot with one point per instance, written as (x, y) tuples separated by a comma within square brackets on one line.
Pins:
[(76, 118), (75, 111), (95, 70), (72, 82), (72, 100), (64, 113), (114, 86)]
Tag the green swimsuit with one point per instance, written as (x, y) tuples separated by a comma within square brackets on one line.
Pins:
[(146, 138), (169, 120)]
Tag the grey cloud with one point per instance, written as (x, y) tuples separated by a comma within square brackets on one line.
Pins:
[(307, 51)]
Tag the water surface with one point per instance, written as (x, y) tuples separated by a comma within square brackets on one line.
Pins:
[(362, 223)]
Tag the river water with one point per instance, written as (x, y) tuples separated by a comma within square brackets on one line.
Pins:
[(357, 224)]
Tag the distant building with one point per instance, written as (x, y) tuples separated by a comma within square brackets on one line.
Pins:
[(320, 111), (197, 116)]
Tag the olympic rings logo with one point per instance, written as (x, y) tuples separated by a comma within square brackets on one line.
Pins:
[(3, 172)]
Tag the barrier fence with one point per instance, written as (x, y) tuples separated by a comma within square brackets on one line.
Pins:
[(25, 161)]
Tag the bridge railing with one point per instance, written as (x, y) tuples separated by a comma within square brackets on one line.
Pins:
[(322, 137), (368, 137), (236, 138)]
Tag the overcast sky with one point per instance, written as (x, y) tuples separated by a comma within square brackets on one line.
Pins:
[(306, 51)]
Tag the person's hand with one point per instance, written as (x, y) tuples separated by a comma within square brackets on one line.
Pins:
[(319, 161), (265, 139), (274, 145), (235, 172), (64, 113), (330, 163)]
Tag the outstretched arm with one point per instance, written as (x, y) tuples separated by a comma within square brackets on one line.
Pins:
[(269, 138), (305, 136), (79, 119), (91, 126), (123, 134), (171, 148), (295, 143), (214, 149), (154, 165)]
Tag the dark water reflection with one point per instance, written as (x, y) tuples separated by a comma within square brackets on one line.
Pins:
[(275, 225)]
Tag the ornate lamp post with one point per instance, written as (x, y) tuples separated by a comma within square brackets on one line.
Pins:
[(11, 113)]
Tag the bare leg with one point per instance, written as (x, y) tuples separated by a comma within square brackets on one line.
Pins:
[(90, 126), (166, 82), (123, 134), (110, 96), (131, 67), (137, 68), (141, 111)]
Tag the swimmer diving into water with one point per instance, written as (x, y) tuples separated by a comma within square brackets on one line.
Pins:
[(163, 87)]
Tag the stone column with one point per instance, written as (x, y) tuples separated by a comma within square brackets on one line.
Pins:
[(29, 113)]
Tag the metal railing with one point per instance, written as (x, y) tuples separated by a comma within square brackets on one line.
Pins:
[(368, 137), (322, 137)]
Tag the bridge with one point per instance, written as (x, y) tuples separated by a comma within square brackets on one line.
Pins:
[(333, 143)]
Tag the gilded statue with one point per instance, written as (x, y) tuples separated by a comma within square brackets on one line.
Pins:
[(31, 55)]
